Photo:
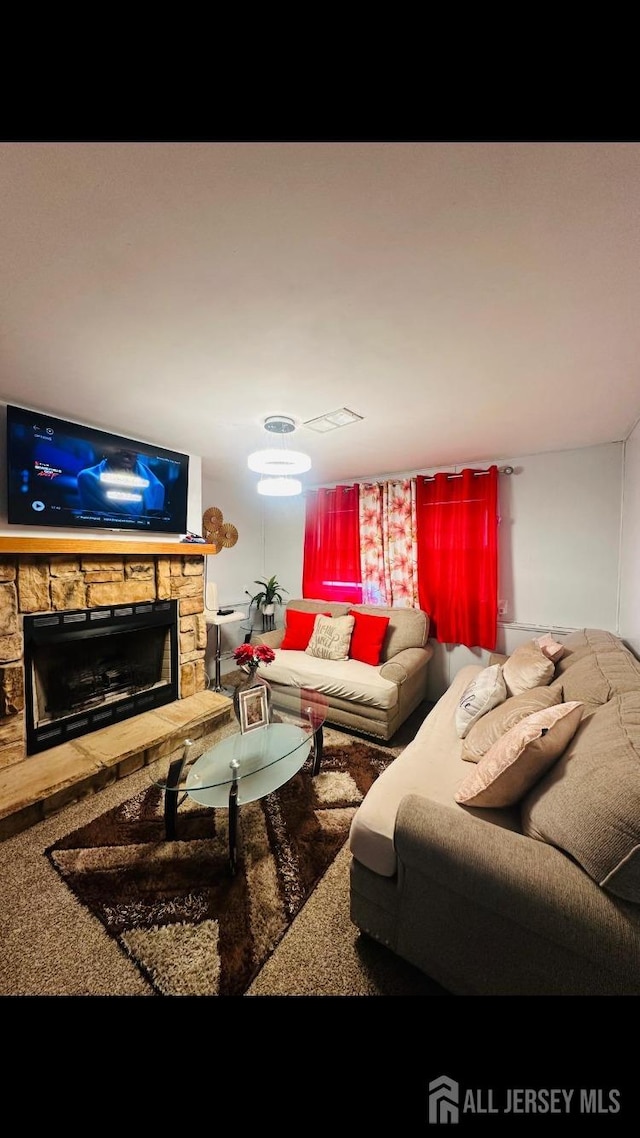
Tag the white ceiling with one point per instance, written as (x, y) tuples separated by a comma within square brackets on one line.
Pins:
[(472, 301)]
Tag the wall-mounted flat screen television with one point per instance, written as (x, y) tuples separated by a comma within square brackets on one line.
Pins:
[(62, 474)]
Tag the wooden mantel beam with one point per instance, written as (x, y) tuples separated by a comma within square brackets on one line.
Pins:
[(35, 545)]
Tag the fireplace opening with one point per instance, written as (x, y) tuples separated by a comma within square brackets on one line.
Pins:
[(85, 669)]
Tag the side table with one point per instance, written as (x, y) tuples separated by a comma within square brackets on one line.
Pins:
[(216, 621)]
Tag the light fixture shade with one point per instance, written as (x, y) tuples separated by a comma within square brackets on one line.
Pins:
[(281, 461), (279, 487)]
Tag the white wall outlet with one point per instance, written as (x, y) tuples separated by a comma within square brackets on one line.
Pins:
[(503, 608)]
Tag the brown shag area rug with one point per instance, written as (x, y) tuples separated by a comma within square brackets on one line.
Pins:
[(189, 926)]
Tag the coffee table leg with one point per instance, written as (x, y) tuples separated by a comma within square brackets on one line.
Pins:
[(233, 817), (171, 792), (318, 742)]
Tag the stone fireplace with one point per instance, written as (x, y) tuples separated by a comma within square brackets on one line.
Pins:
[(69, 587), (87, 668)]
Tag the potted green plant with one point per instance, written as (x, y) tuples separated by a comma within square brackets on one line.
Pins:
[(270, 592)]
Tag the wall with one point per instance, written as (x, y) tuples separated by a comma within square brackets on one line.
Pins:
[(254, 556), (559, 541), (270, 537), (629, 619)]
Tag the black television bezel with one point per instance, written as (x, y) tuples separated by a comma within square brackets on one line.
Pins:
[(98, 437)]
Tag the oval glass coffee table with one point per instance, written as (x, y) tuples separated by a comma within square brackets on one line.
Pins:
[(245, 767)]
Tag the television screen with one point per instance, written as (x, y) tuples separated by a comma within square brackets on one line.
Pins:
[(64, 474)]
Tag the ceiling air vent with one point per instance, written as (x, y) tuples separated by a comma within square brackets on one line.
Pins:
[(332, 421)]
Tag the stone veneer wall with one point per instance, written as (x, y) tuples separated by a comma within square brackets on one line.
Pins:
[(53, 582)]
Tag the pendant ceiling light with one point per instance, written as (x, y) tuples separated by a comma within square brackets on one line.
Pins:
[(277, 464)]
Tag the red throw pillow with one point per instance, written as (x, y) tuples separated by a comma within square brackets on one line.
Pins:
[(298, 629), (367, 637)]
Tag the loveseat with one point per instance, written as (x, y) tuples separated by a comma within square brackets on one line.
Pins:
[(537, 896), (366, 696)]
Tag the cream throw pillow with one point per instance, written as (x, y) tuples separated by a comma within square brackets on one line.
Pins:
[(486, 691), (331, 637), (527, 667), (493, 726), (521, 757)]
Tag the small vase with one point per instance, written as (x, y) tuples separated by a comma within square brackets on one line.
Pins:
[(252, 680)]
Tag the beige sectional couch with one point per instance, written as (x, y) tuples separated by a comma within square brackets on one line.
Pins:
[(374, 700), (541, 897)]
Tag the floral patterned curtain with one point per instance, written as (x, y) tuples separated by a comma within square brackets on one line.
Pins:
[(388, 546)]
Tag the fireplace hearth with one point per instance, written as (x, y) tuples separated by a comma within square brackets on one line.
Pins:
[(88, 668)]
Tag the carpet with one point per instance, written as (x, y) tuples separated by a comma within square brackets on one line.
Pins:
[(188, 925)]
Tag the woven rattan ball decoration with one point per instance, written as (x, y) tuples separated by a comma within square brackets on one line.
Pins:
[(229, 534), (212, 519), (216, 532), (214, 538)]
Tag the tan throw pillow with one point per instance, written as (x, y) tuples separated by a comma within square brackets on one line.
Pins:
[(527, 667), (551, 648), (493, 726), (331, 637), (521, 757), (487, 690), (588, 804)]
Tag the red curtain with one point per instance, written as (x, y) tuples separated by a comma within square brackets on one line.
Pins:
[(457, 535), (331, 567)]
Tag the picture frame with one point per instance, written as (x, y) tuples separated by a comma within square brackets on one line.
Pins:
[(253, 708)]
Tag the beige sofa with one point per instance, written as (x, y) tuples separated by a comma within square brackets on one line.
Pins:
[(375, 700), (467, 895)]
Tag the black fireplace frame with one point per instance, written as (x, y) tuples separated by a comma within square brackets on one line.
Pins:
[(77, 624)]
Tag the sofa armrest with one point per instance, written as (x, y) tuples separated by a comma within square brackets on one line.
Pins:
[(532, 885), (271, 639), (405, 664)]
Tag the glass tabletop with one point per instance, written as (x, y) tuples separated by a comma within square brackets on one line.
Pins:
[(258, 761)]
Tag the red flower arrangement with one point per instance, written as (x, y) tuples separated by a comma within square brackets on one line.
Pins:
[(249, 657)]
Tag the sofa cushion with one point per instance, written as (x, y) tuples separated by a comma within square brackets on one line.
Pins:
[(585, 642), (334, 608), (588, 804), (501, 719), (483, 693), (408, 628), (367, 637), (298, 627), (527, 667), (344, 679), (587, 678), (331, 637), (595, 639), (429, 765), (599, 676), (516, 761)]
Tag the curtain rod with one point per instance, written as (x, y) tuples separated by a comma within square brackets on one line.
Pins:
[(501, 470), (425, 478)]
